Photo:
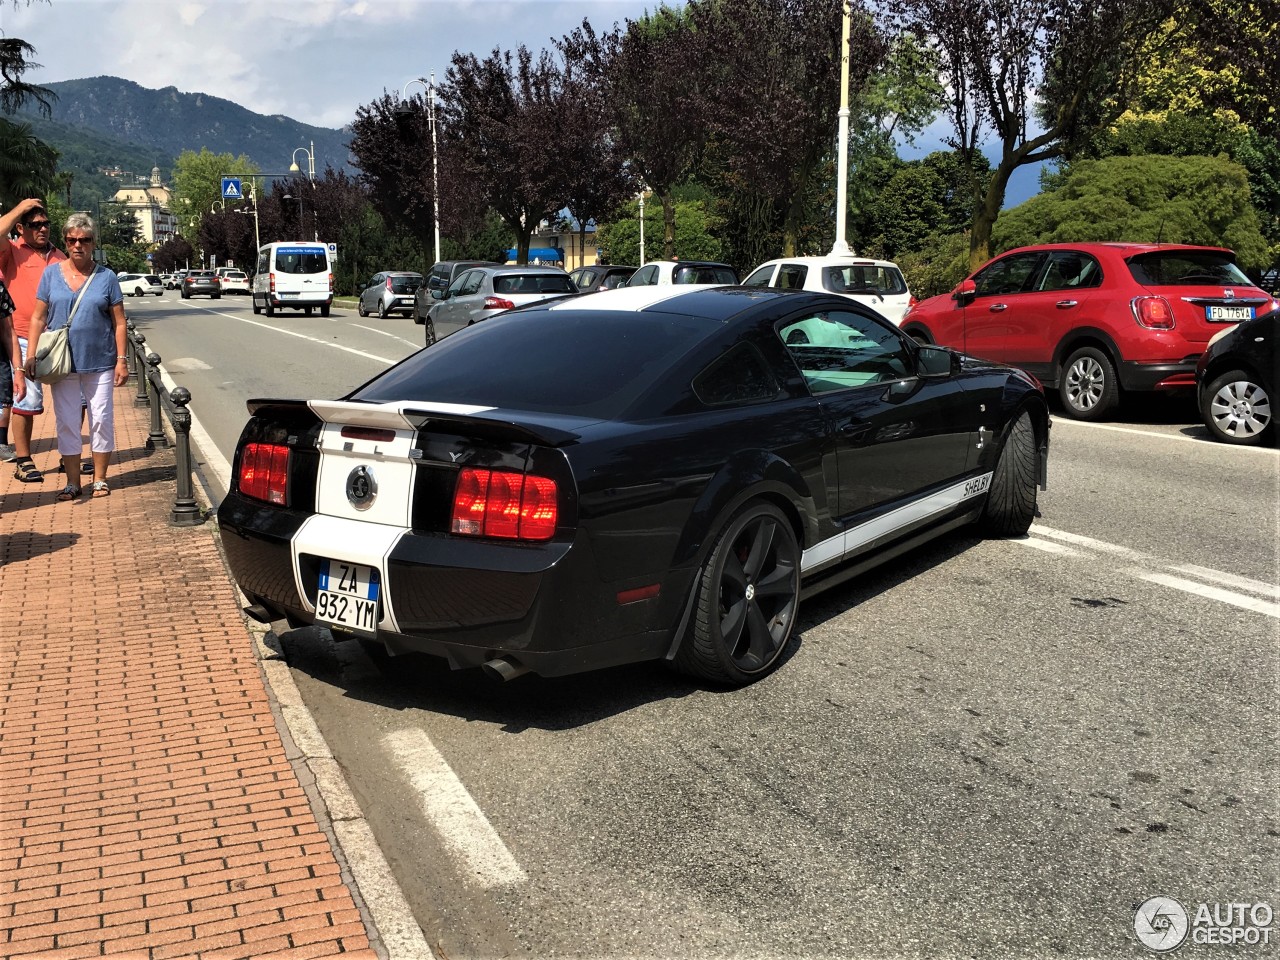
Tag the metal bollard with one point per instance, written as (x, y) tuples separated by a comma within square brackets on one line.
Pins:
[(140, 349), (130, 354), (156, 437), (185, 513)]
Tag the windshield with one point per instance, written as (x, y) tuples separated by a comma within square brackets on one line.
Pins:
[(702, 273), (405, 284), (301, 261), (520, 361), (1186, 268)]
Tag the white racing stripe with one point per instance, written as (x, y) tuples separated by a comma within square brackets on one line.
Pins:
[(457, 818)]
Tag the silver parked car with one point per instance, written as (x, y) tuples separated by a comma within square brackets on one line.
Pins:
[(389, 292), (484, 291)]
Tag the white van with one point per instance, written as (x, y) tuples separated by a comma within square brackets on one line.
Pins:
[(294, 274)]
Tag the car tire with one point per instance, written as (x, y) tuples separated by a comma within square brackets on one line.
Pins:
[(1011, 498), (748, 599), (324, 311), (267, 308), (1088, 387), (429, 332), (215, 296), (256, 309), (382, 310), (360, 308), (306, 311), (137, 291), (1236, 409)]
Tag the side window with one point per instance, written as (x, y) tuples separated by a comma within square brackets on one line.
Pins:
[(1069, 270), (760, 278), (262, 261), (471, 282), (579, 277), (645, 276), (457, 284), (791, 276), (836, 350), (740, 376), (1007, 275)]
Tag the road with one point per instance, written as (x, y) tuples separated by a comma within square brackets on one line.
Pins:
[(986, 749)]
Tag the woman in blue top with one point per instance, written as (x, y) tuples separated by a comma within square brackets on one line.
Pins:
[(96, 339)]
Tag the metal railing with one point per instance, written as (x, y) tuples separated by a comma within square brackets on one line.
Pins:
[(151, 392)]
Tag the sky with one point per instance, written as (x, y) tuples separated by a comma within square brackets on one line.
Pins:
[(311, 60)]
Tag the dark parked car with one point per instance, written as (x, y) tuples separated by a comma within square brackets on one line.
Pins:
[(389, 292), (639, 474), (601, 276), (1237, 378), (483, 292), (441, 277), (201, 283), (1094, 319)]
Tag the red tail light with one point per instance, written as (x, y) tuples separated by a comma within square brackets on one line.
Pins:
[(502, 503), (497, 303), (1154, 313), (273, 283), (388, 282), (264, 472), (911, 302)]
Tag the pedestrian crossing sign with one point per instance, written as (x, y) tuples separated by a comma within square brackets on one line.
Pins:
[(231, 189)]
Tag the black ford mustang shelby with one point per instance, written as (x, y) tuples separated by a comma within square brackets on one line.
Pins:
[(637, 474)]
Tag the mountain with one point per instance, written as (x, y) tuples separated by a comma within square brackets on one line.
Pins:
[(166, 122)]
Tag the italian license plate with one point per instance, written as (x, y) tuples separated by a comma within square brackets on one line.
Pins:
[(288, 296), (1228, 314), (347, 596)]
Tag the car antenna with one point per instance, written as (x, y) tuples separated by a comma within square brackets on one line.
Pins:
[(1160, 232)]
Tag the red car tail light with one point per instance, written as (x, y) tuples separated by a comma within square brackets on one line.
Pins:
[(502, 503), (1154, 313), (497, 303), (273, 283), (389, 283), (264, 472)]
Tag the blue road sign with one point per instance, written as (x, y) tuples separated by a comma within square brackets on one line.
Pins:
[(231, 189)]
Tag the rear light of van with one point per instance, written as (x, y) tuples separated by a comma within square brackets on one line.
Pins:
[(503, 503), (331, 283), (1154, 313), (271, 281), (497, 303), (264, 472)]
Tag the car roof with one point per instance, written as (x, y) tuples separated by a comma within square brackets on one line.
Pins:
[(401, 273), (829, 260), (1127, 248), (554, 271)]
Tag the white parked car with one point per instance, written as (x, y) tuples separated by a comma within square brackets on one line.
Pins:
[(664, 272), (140, 284), (877, 283), (235, 281)]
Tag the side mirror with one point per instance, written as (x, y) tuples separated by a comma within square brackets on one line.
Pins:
[(935, 362), (438, 294), (965, 292)]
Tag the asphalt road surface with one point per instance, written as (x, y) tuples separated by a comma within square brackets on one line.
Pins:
[(984, 749)]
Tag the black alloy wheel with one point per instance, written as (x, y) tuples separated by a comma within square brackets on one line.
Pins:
[(748, 598)]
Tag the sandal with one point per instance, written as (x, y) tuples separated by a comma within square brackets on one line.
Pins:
[(100, 489), (69, 492), (27, 472)]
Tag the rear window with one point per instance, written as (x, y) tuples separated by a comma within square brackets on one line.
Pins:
[(519, 361), (533, 283), (297, 262), (1186, 268), (694, 273), (868, 279), (405, 284)]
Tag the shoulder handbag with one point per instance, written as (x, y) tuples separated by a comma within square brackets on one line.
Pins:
[(53, 352)]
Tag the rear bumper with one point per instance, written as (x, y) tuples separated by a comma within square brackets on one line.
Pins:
[(1145, 377), (541, 606)]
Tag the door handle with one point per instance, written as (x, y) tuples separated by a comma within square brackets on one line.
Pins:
[(1064, 304), (997, 307)]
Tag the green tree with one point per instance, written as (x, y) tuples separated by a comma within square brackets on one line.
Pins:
[(1174, 199), (27, 164), (619, 240), (197, 185)]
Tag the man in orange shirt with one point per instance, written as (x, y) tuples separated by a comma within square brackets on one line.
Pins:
[(22, 261)]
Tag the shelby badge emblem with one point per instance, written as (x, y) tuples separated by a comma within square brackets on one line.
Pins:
[(361, 487)]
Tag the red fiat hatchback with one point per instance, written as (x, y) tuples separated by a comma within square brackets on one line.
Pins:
[(1094, 319)]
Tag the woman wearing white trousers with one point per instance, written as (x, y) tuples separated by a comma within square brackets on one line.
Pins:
[(97, 343)]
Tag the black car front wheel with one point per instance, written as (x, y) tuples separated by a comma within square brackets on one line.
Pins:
[(1011, 498), (1237, 409), (748, 598)]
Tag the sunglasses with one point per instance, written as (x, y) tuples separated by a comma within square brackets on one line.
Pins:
[(78, 240), (38, 225)]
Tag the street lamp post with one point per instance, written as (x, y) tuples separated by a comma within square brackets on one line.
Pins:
[(253, 197), (841, 247), (435, 176), (642, 228), (311, 175)]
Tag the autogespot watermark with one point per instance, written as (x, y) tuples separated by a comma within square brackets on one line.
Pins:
[(1163, 924)]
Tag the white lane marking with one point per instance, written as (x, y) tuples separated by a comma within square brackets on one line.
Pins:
[(458, 819), (1163, 436), (1048, 546), (1212, 593), (1100, 545), (384, 333), (1228, 579), (300, 336)]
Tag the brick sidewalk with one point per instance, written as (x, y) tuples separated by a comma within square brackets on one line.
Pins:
[(147, 807)]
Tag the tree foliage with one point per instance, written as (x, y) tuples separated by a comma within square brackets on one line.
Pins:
[(619, 240), (1173, 199), (28, 165), (1008, 64), (197, 185)]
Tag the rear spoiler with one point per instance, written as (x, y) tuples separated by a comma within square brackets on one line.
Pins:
[(412, 415)]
